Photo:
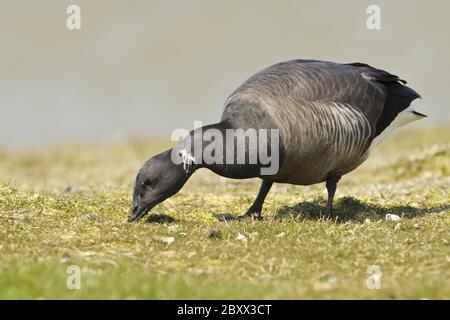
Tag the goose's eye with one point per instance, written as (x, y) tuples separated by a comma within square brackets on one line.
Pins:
[(147, 184)]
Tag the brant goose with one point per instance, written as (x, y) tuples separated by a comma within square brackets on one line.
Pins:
[(327, 117)]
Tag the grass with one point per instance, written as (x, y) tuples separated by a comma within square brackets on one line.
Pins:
[(68, 205)]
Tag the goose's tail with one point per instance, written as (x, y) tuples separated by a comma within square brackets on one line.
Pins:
[(408, 115)]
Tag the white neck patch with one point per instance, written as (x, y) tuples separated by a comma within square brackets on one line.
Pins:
[(186, 158)]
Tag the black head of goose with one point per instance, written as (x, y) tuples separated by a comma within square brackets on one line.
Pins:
[(320, 120)]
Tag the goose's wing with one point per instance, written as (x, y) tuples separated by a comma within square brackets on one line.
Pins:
[(397, 96), (377, 94)]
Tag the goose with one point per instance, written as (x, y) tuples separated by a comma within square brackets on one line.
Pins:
[(329, 117)]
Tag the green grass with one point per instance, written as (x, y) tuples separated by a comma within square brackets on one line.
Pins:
[(68, 205)]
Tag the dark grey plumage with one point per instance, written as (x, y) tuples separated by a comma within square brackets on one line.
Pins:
[(328, 115)]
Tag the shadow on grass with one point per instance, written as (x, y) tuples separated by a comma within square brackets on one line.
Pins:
[(352, 209), (160, 218)]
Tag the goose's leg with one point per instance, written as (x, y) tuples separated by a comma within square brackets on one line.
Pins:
[(256, 207), (331, 188)]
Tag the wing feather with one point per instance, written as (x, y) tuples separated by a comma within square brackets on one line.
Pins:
[(377, 94)]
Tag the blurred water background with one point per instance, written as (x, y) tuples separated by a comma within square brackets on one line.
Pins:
[(143, 68)]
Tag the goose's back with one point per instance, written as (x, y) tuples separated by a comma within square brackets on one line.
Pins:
[(326, 112)]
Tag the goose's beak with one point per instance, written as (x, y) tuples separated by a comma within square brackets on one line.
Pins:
[(139, 212)]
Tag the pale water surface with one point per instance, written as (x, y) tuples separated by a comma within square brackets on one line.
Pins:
[(144, 68)]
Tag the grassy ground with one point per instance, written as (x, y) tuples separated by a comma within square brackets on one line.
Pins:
[(67, 206)]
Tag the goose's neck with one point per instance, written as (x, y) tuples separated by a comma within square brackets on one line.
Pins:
[(230, 153), (200, 143)]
